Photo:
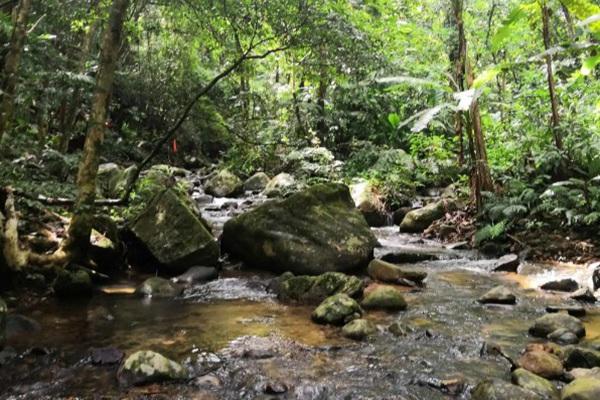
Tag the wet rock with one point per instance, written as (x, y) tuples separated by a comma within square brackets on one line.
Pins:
[(314, 289), (507, 263), (584, 295), (595, 275), (337, 310), (399, 214), (413, 255), (18, 326), (541, 363), (73, 284), (581, 357), (106, 356), (369, 202), (174, 235), (107, 178), (386, 272), (147, 366), (576, 311), (385, 298), (397, 328), (203, 362), (280, 184), (530, 381), (197, 274), (563, 336), (498, 295), (158, 287), (464, 245), (311, 232), (416, 221), (3, 312), (563, 285), (208, 380), (257, 182), (582, 389), (358, 329), (576, 373), (499, 390), (224, 184), (549, 323)]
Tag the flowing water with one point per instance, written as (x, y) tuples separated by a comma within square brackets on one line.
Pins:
[(241, 343)]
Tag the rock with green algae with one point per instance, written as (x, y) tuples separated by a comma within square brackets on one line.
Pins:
[(418, 220), (582, 389), (311, 232), (581, 357), (257, 182), (158, 287), (384, 297), (3, 312), (314, 289), (359, 329), (224, 184), (549, 323), (280, 185), (384, 271), (174, 234), (494, 389), (337, 310), (73, 284), (530, 381), (146, 366)]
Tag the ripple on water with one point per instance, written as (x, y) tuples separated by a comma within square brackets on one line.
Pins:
[(230, 289)]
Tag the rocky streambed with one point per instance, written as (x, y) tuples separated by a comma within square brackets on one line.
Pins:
[(235, 338)]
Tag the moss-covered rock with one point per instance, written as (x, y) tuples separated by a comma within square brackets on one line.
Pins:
[(498, 295), (257, 182), (581, 357), (582, 389), (147, 366), (314, 289), (158, 287), (174, 235), (280, 185), (311, 162), (358, 329), (3, 312), (337, 310), (224, 184), (385, 298), (541, 363), (530, 381), (384, 271), (493, 389), (311, 232), (549, 323), (73, 284), (418, 220)]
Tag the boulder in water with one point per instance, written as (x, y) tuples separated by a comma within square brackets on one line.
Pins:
[(280, 185), (358, 329), (174, 235), (562, 285), (147, 366), (549, 323), (416, 221), (197, 274), (73, 284), (257, 182), (563, 336), (576, 311), (530, 381), (498, 295), (541, 363), (383, 271), (582, 389), (384, 297), (311, 232), (493, 389), (507, 263), (158, 287), (224, 184), (581, 357), (314, 289), (337, 310)]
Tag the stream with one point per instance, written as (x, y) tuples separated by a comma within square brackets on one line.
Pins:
[(239, 342)]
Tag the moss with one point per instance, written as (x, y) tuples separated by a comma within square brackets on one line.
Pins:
[(337, 310), (358, 329), (582, 389), (384, 297)]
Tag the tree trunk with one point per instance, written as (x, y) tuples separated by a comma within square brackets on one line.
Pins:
[(555, 121), (11, 65), (80, 228)]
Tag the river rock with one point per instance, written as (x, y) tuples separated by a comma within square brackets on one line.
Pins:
[(224, 184), (174, 235), (595, 267), (158, 287), (257, 182), (280, 185), (3, 312), (383, 271), (549, 323), (358, 329), (197, 274), (582, 389), (315, 289), (384, 297), (147, 366), (106, 356), (563, 336), (369, 202), (311, 232), (73, 284), (507, 263), (584, 295), (574, 310), (397, 328), (581, 357), (563, 285), (337, 310), (530, 381), (541, 363), (493, 389), (498, 295), (576, 373), (416, 221)]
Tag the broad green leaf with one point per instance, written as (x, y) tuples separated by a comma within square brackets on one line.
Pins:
[(589, 64), (508, 26), (486, 76)]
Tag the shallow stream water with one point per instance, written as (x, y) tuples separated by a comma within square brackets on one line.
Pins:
[(241, 343)]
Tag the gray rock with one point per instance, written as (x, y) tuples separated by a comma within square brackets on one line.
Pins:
[(147, 366), (197, 274), (576, 311), (507, 263), (337, 310), (581, 357), (280, 185), (563, 336), (499, 390), (158, 287), (563, 285), (584, 295), (224, 184), (498, 295), (595, 275), (418, 220), (530, 381), (257, 182), (549, 323), (383, 271), (106, 356), (358, 329)]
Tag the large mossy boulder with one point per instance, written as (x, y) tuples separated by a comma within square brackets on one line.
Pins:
[(337, 310), (582, 389), (416, 221), (3, 312), (311, 232), (359, 329), (314, 289), (174, 234), (145, 367), (493, 389), (530, 381), (224, 184)]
